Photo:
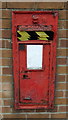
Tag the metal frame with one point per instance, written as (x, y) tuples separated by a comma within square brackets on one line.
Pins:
[(52, 66)]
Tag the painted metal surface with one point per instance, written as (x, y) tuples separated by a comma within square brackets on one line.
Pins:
[(34, 89)]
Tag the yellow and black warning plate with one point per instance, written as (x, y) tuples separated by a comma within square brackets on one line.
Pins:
[(34, 35)]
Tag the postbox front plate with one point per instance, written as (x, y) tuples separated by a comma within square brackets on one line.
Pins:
[(34, 37)]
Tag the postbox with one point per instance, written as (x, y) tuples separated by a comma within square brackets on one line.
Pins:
[(34, 38)]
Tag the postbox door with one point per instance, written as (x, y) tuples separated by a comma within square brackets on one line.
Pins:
[(34, 73)]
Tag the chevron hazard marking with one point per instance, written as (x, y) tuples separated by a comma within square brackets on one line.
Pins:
[(24, 36), (34, 35), (42, 35)]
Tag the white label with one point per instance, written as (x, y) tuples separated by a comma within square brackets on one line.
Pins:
[(34, 56)]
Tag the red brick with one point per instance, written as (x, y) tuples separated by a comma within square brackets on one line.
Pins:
[(59, 115), (63, 33), (37, 116), (0, 78), (0, 94), (60, 86), (58, 93), (0, 23), (6, 110), (0, 87), (47, 5), (3, 4), (1, 102), (7, 70), (0, 4), (63, 43), (8, 102), (60, 78), (61, 69), (6, 13), (62, 14), (7, 62), (62, 24), (6, 53), (7, 94), (14, 116), (0, 62), (62, 52), (7, 87), (60, 101), (7, 78), (62, 109), (61, 61), (6, 34), (8, 44), (6, 23)]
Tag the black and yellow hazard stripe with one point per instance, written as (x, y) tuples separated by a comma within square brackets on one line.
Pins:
[(35, 35)]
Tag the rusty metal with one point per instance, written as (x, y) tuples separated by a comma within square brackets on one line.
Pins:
[(34, 89)]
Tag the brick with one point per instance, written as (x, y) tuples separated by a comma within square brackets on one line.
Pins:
[(0, 13), (7, 70), (1, 71), (0, 78), (61, 69), (20, 5), (8, 102), (6, 53), (7, 62), (3, 43), (59, 115), (63, 43), (41, 110), (6, 23), (37, 116), (67, 78), (60, 101), (7, 78), (62, 24), (0, 23), (1, 102), (60, 86), (0, 109), (0, 4), (63, 33), (6, 44), (6, 13), (0, 87), (6, 110), (66, 5), (62, 52), (47, 5), (7, 87), (58, 93), (3, 4), (14, 115), (62, 14), (61, 61), (62, 109), (7, 94), (6, 34), (0, 94), (0, 62), (60, 78)]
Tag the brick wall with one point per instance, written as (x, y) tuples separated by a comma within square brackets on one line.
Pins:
[(6, 75)]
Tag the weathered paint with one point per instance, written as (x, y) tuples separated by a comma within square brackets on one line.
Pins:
[(34, 89)]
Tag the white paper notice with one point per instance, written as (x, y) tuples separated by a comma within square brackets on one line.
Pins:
[(34, 56)]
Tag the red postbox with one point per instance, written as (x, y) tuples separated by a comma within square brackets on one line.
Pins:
[(34, 38)]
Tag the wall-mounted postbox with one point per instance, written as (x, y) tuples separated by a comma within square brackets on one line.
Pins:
[(34, 35)]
